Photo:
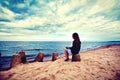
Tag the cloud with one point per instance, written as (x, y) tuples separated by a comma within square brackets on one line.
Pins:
[(28, 22), (58, 19), (21, 5), (6, 14)]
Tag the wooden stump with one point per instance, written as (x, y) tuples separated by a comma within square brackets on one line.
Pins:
[(76, 57), (39, 57), (23, 57), (54, 56), (16, 59)]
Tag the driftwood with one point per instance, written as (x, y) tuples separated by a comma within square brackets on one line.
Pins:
[(16, 59), (54, 56), (76, 57), (23, 57), (39, 57)]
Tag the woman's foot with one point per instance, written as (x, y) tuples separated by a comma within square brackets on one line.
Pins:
[(67, 59)]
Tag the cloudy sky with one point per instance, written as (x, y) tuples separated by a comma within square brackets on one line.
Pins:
[(38, 20)]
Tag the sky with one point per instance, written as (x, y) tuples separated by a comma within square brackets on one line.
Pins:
[(57, 20)]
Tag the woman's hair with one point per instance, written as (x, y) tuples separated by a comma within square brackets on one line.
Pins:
[(76, 36)]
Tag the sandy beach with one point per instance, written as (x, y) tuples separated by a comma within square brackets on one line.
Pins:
[(102, 63)]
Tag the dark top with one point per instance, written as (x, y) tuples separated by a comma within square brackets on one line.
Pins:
[(75, 47)]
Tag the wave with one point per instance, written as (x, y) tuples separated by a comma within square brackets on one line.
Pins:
[(35, 49), (4, 50), (34, 55)]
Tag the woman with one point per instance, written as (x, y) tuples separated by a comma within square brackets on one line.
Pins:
[(75, 47)]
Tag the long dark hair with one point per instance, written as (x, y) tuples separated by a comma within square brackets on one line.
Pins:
[(76, 36)]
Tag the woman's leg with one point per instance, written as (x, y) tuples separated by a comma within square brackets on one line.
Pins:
[(66, 54)]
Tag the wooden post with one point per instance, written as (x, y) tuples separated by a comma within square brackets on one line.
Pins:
[(16, 59), (39, 57), (23, 57), (54, 56), (76, 57)]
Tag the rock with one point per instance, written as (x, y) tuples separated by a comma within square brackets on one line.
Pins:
[(23, 57), (76, 57), (16, 59), (54, 56), (39, 57)]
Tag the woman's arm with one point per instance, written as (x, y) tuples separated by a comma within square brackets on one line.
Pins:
[(68, 47)]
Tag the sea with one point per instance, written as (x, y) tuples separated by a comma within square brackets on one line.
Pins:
[(32, 48)]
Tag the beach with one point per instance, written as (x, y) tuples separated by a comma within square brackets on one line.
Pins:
[(102, 63)]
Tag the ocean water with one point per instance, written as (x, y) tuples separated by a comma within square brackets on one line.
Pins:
[(32, 48)]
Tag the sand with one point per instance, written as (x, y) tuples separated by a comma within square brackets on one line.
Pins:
[(102, 63)]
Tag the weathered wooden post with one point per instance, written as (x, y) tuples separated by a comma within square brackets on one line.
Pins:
[(16, 59), (23, 57), (54, 56), (39, 57), (76, 57)]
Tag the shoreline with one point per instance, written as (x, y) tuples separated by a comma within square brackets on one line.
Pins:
[(49, 58), (101, 63)]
